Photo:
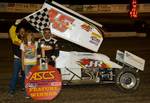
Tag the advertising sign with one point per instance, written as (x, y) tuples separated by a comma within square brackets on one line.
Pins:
[(43, 84)]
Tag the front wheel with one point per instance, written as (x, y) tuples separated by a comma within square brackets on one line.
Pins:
[(127, 80)]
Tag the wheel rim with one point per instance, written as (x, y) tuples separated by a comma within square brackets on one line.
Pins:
[(128, 80)]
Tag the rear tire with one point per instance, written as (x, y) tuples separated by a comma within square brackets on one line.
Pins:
[(127, 79)]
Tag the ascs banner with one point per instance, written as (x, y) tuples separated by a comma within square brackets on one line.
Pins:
[(68, 25), (43, 84)]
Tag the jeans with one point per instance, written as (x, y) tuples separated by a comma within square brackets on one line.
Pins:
[(26, 71), (16, 69)]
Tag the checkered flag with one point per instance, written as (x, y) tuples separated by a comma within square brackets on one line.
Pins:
[(39, 20)]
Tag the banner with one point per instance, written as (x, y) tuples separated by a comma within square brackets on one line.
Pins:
[(68, 25), (43, 84), (90, 8), (19, 7), (144, 8), (104, 8), (98, 8)]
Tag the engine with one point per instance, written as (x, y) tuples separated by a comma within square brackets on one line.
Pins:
[(106, 74)]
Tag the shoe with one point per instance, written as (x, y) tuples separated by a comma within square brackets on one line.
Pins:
[(11, 93), (27, 97), (22, 89), (97, 80)]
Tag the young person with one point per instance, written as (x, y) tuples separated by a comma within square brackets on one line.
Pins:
[(29, 53)]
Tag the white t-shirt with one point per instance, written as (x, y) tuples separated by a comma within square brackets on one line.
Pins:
[(30, 53)]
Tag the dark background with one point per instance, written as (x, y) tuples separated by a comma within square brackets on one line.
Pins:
[(112, 22), (80, 1)]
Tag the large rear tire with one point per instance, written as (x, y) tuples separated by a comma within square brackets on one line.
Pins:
[(127, 79)]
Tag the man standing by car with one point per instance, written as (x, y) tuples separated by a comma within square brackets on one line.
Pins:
[(16, 38), (49, 45)]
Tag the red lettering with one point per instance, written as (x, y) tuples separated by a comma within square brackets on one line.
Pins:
[(60, 21)]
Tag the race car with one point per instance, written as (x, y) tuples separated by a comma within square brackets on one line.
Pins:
[(84, 67)]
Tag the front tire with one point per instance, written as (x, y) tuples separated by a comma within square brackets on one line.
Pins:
[(127, 79)]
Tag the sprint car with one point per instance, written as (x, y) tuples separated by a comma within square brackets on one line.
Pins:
[(84, 67)]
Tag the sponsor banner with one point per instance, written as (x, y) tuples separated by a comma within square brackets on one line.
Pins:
[(144, 8), (103, 8), (119, 8), (134, 60), (3, 7), (19, 7), (113, 8), (99, 8), (78, 8), (43, 84), (90, 8)]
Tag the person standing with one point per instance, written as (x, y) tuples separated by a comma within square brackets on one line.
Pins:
[(49, 45), (16, 38), (29, 53)]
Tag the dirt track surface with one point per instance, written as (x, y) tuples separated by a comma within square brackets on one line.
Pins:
[(107, 93)]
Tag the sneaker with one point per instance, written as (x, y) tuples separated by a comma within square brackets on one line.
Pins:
[(97, 80), (11, 93), (27, 97), (22, 89)]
